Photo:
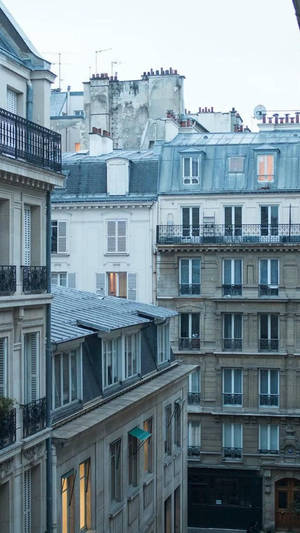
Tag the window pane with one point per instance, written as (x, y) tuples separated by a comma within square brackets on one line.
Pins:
[(274, 381), (185, 216), (238, 272), (274, 215), (264, 272), (195, 165), (111, 228), (227, 326), (263, 326), (264, 389), (237, 381), (237, 432), (121, 244), (263, 437), (274, 272), (227, 435), (195, 270), (227, 380), (195, 325), (65, 378), (237, 326), (184, 317), (73, 376), (264, 215), (122, 284), (195, 381), (227, 272), (274, 327), (121, 228), (184, 270), (274, 437), (112, 283), (186, 167), (195, 216), (238, 216), (228, 216)]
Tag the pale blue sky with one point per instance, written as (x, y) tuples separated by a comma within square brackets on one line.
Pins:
[(233, 52)]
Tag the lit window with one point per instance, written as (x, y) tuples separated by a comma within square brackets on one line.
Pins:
[(58, 279), (115, 471), (85, 494), (111, 366), (67, 378), (268, 438), (77, 145), (117, 284), (265, 168), (163, 346), (236, 164), (116, 236), (190, 170), (68, 503), (58, 236), (148, 447), (132, 354)]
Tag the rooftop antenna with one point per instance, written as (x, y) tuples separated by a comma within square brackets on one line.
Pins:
[(259, 111), (96, 56), (112, 63)]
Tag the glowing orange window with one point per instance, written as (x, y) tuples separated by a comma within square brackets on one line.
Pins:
[(265, 167)]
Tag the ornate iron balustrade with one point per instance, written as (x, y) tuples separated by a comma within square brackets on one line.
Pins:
[(34, 279), (23, 139), (194, 397), (34, 417), (186, 289), (269, 400), (7, 428), (185, 343), (7, 280), (224, 234), (232, 345), (268, 290), (194, 451), (232, 290), (272, 452), (268, 345), (232, 399), (233, 453)]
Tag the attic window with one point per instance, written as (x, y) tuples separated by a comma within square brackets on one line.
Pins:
[(236, 164), (191, 169), (265, 167), (117, 176)]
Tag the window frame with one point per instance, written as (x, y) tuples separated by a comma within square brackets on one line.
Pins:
[(116, 237), (232, 440), (190, 230), (191, 441), (78, 361), (230, 158), (85, 480), (59, 237), (239, 343), (163, 343), (4, 385), (115, 448), (59, 275), (269, 394), (116, 362), (190, 178), (260, 177), (232, 392), (137, 347), (269, 338), (116, 283), (191, 275), (233, 286), (269, 285), (268, 450)]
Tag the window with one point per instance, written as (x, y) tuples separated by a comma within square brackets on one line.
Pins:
[(189, 276), (168, 429), (268, 277), (177, 423), (190, 221), (189, 331), (132, 354), (12, 101), (168, 515), (115, 471), (111, 361), (148, 447), (163, 345), (194, 437), (268, 438), (58, 236), (269, 221), (85, 494), (3, 367), (177, 510), (269, 338), (132, 461), (232, 441), (68, 503), (58, 279), (232, 386), (31, 367), (194, 386), (269, 388), (236, 164), (116, 236), (67, 368), (232, 277), (232, 331), (233, 221), (265, 167), (27, 501), (190, 170), (117, 284)]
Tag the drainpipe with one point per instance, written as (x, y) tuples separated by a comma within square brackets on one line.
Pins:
[(50, 488), (29, 101)]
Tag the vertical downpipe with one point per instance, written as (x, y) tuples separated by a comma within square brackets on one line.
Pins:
[(50, 488)]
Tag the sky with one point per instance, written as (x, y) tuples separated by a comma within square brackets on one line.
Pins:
[(233, 53)]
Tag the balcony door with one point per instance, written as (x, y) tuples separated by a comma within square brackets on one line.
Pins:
[(269, 221), (233, 221), (190, 221), (287, 505)]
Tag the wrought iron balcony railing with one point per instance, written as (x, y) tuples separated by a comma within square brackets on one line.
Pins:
[(266, 451), (7, 428), (194, 451), (7, 280), (268, 345), (23, 139), (225, 234), (193, 397), (269, 400), (233, 453), (185, 343), (34, 279), (232, 345), (268, 290), (34, 417), (232, 399), (232, 290), (192, 289)]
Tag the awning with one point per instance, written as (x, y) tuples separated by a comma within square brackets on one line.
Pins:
[(140, 434)]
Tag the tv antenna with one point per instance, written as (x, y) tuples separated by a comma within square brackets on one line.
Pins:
[(112, 63), (259, 111), (96, 56)]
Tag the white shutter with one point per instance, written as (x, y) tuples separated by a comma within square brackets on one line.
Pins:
[(100, 284), (131, 290), (35, 339), (3, 367), (72, 280), (62, 237), (27, 235), (12, 101), (27, 501), (111, 235)]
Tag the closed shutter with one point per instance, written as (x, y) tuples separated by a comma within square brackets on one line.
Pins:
[(72, 280), (27, 235), (12, 101), (27, 501), (111, 236), (31, 361), (131, 293), (62, 237), (3, 367), (100, 284)]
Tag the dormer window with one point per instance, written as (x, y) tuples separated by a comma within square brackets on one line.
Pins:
[(117, 176), (191, 170), (236, 164), (265, 167)]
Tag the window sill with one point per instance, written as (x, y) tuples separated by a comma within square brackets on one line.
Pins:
[(113, 254), (117, 508), (59, 254), (134, 492), (148, 481)]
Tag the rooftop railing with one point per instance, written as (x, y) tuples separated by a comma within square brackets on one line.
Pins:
[(225, 234), (22, 139)]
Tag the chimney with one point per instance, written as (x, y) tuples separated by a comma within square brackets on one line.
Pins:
[(100, 142)]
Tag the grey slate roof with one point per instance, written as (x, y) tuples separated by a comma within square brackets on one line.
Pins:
[(74, 310)]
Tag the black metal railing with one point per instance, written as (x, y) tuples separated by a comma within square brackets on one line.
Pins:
[(232, 345), (269, 400), (186, 289), (7, 280), (193, 397), (185, 343), (34, 417), (7, 428), (194, 451), (233, 453), (268, 345), (23, 139), (225, 234), (232, 290), (34, 279), (272, 452), (268, 290), (232, 398)]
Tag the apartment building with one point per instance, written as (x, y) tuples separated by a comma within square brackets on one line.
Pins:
[(119, 417), (30, 163), (228, 260)]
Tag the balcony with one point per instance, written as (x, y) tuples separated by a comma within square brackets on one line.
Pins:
[(271, 452), (269, 400), (34, 279), (232, 290), (268, 290), (232, 345), (268, 345), (193, 451), (224, 234), (34, 417), (194, 397), (7, 428), (232, 398), (7, 280), (189, 290), (185, 343), (232, 453), (25, 140)]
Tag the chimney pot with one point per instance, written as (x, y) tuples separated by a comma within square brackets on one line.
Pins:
[(270, 120), (286, 117), (205, 109), (157, 72), (175, 71), (161, 70), (297, 117), (292, 120), (281, 120), (171, 70), (276, 117), (264, 118)]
